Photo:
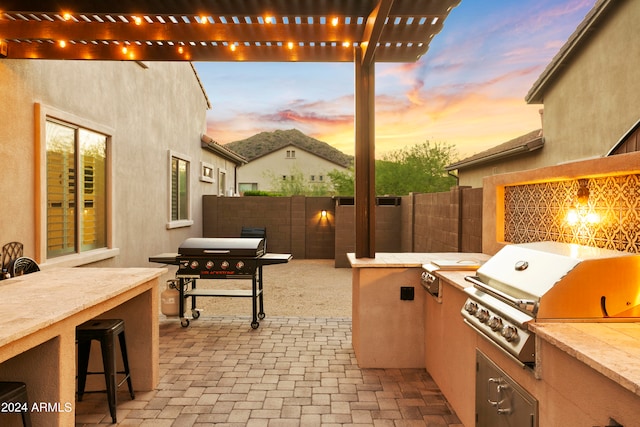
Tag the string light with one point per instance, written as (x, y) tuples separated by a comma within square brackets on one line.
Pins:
[(62, 43)]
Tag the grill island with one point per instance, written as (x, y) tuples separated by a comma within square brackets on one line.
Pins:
[(220, 258)]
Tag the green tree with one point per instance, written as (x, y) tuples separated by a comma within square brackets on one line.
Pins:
[(419, 168), (342, 182)]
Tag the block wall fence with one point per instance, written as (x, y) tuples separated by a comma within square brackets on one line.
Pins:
[(420, 222)]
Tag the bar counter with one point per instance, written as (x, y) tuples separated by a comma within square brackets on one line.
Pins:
[(38, 316)]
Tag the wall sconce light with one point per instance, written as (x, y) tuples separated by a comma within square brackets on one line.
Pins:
[(580, 212), (323, 214)]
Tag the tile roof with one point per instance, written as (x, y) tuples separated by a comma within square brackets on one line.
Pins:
[(523, 144)]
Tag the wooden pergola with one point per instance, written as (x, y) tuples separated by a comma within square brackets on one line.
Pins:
[(360, 31)]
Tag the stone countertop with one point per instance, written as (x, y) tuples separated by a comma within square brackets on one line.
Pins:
[(610, 348), (411, 259), (35, 301)]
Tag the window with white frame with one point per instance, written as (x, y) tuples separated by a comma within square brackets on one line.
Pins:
[(76, 188), (180, 197), (207, 172)]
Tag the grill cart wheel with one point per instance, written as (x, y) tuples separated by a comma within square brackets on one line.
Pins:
[(195, 313), (254, 325), (184, 322), (260, 316)]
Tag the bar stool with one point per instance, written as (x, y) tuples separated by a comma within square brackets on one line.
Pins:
[(16, 392), (104, 331)]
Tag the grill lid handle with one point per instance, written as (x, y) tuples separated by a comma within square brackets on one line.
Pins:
[(528, 305), (216, 251)]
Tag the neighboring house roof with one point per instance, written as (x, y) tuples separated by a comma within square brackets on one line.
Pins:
[(208, 143), (594, 18), (523, 144), (297, 147)]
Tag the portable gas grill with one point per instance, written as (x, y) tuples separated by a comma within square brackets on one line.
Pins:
[(221, 258), (549, 281)]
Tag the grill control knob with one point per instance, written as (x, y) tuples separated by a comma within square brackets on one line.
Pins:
[(471, 307), (495, 323), (194, 264), (510, 333), (209, 265), (224, 265), (239, 265), (482, 315)]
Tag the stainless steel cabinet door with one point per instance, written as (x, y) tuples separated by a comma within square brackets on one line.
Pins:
[(501, 402)]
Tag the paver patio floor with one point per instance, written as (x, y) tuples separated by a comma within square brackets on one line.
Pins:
[(289, 372)]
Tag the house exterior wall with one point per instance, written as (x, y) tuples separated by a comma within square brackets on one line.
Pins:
[(149, 112), (592, 103), (277, 164)]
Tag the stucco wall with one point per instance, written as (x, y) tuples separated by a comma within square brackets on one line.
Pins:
[(150, 110), (592, 103)]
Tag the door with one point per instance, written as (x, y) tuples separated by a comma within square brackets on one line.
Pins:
[(500, 401)]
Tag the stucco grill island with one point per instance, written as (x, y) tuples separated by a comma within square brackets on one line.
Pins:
[(221, 258)]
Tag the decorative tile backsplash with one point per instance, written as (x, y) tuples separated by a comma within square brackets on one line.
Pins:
[(608, 218)]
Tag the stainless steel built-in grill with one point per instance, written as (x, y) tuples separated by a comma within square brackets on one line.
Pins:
[(549, 281), (221, 258)]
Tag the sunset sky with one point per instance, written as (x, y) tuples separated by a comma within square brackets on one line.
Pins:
[(467, 91)]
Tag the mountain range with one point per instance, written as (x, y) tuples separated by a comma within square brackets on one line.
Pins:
[(266, 142)]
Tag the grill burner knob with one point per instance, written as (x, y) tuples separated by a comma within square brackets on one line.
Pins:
[(194, 265), (495, 323), (471, 307), (482, 315), (209, 265), (510, 333), (224, 265), (239, 265)]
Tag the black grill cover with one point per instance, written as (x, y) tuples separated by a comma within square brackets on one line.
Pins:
[(222, 246)]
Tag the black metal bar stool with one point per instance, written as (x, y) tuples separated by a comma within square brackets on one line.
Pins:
[(104, 331), (16, 393)]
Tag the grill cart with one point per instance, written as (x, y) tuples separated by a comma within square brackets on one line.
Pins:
[(220, 258)]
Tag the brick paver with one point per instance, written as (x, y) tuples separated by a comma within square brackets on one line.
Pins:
[(288, 372)]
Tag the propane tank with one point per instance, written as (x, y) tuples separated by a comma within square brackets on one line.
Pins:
[(170, 299)]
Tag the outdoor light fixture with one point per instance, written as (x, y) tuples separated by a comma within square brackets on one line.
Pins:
[(323, 214), (580, 212)]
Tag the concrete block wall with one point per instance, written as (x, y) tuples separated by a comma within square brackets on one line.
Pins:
[(430, 222), (320, 231), (225, 217)]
